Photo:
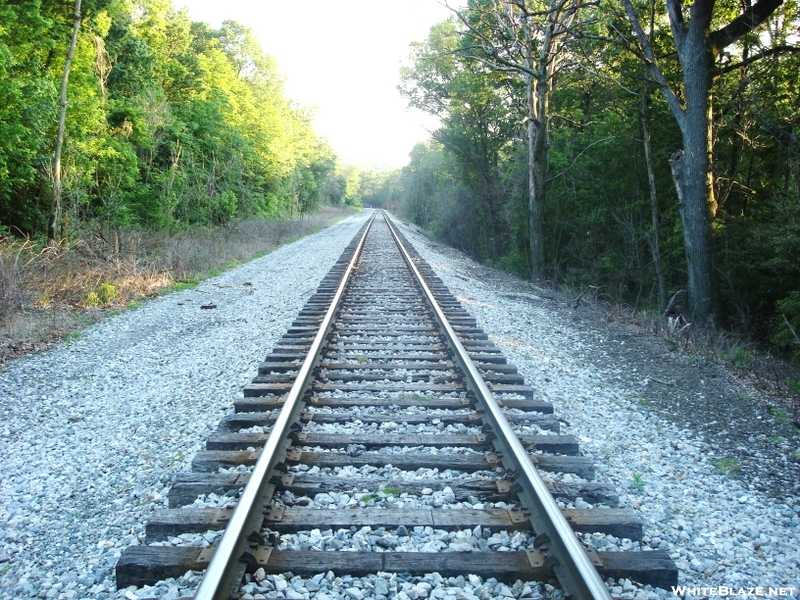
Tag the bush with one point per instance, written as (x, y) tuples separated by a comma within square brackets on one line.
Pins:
[(101, 296)]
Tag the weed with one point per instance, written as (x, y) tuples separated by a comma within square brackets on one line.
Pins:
[(367, 498), (361, 360), (92, 300), (44, 301), (72, 336), (739, 357), (55, 278), (185, 284), (106, 292), (794, 454), (728, 466), (392, 490), (779, 414), (102, 296), (638, 482)]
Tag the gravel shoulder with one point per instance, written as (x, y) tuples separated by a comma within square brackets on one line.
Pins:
[(93, 433), (686, 444)]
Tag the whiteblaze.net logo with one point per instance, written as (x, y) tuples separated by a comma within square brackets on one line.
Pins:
[(726, 591)]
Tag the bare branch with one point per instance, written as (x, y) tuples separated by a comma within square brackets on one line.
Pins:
[(672, 301), (490, 49), (652, 62), (794, 333), (581, 153), (777, 50)]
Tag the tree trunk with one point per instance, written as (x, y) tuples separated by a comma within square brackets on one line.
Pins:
[(693, 179), (537, 169), (697, 47), (55, 227), (655, 247)]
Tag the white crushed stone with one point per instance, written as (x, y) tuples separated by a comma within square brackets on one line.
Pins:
[(94, 431), (402, 539), (378, 497), (380, 586), (718, 532)]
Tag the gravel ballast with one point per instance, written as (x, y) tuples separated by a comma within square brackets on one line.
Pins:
[(93, 434), (720, 531)]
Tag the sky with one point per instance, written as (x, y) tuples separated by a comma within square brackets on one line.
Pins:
[(342, 57)]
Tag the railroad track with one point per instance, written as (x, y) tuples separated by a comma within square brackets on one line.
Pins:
[(385, 425)]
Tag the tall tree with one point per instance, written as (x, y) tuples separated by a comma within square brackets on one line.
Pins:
[(697, 48), (527, 37), (478, 118), (55, 228)]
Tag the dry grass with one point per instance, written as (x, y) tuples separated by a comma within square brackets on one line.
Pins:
[(51, 292)]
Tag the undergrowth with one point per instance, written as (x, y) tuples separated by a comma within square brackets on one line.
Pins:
[(49, 290), (773, 373)]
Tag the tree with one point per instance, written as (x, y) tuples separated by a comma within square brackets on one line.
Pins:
[(55, 227), (698, 47), (478, 115), (527, 37), (352, 185)]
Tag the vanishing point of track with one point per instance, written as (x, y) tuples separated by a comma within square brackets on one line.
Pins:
[(380, 349)]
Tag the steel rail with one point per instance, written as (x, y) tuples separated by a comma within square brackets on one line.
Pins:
[(220, 577), (571, 563)]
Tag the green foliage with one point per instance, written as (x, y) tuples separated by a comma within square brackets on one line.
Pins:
[(103, 295), (352, 187), (739, 356), (189, 284), (469, 186), (170, 123), (728, 466), (638, 482), (456, 186), (780, 414)]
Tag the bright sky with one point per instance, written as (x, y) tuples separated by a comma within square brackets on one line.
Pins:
[(342, 57)]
